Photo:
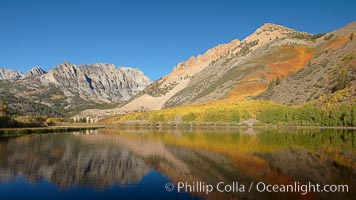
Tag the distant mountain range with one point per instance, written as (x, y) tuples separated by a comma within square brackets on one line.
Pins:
[(274, 63), (68, 88)]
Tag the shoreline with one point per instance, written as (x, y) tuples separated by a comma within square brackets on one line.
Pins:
[(44, 130), (147, 124), (152, 125)]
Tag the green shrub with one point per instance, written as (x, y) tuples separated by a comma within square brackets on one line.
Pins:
[(344, 115), (190, 117)]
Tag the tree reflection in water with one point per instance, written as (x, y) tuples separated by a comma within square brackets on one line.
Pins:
[(103, 158)]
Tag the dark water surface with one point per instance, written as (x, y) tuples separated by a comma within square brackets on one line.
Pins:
[(137, 164)]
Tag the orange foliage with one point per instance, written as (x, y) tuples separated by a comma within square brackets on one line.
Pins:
[(299, 56), (338, 42), (280, 63), (247, 89), (111, 119)]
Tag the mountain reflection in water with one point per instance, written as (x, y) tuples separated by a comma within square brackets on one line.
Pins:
[(103, 159)]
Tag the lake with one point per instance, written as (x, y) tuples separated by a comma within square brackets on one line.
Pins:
[(205, 163)]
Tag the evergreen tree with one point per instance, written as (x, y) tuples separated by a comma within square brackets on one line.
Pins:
[(278, 80)]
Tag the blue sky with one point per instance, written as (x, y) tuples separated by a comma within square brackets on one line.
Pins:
[(153, 35)]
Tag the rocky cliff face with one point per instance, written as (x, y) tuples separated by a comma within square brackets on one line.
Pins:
[(9, 74), (69, 88)]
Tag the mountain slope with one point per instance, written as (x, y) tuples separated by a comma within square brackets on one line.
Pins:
[(23, 106), (194, 81), (330, 75), (156, 95), (240, 66), (248, 69)]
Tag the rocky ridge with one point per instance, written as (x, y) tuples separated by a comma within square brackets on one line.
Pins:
[(35, 71), (9, 74)]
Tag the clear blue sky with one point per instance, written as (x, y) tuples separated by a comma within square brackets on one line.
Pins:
[(153, 35)]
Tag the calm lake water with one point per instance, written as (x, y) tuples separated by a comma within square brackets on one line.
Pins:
[(144, 163)]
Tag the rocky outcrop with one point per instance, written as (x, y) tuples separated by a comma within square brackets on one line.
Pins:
[(9, 74), (35, 71)]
